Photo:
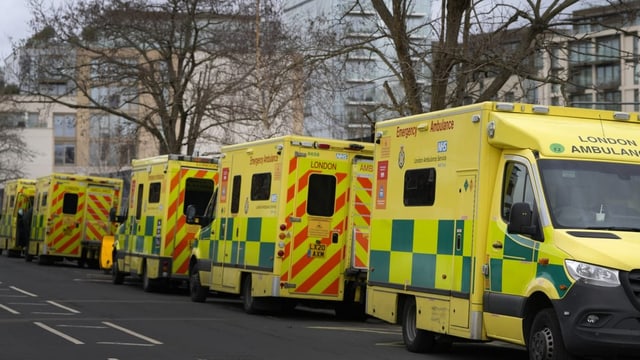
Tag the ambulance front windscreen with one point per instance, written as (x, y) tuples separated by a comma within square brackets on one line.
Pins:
[(592, 194)]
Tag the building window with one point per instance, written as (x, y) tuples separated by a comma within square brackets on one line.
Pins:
[(111, 140), (580, 52), (608, 48), (582, 101), (22, 119), (609, 100), (64, 132), (608, 76), (581, 77)]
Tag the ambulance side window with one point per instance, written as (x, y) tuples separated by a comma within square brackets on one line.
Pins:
[(43, 202), (322, 195), (70, 203), (154, 193), (235, 194), (516, 188), (260, 186), (419, 187), (12, 201), (139, 202)]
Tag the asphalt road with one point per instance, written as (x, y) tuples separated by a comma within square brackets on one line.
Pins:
[(64, 312)]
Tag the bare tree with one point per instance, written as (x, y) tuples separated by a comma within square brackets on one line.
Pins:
[(164, 66), (14, 151)]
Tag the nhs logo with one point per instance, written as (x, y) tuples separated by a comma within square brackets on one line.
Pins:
[(442, 146)]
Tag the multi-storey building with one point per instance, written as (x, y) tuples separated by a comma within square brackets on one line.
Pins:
[(354, 97), (596, 62)]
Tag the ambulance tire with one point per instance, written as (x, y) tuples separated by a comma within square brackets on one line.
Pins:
[(417, 340), (28, 257), (197, 292), (148, 284), (116, 276), (545, 338), (249, 303)]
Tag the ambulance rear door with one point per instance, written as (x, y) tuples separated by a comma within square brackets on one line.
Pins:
[(319, 224), (101, 198), (67, 210)]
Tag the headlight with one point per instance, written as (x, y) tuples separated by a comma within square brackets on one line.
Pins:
[(592, 274)]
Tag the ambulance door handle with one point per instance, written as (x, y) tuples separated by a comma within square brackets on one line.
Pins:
[(334, 237), (497, 245)]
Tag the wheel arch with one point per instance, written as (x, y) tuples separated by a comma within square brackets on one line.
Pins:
[(534, 304)]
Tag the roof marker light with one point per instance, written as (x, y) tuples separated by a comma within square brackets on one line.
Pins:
[(540, 109), (505, 106), (621, 115)]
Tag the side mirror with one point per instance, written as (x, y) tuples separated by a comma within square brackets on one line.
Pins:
[(116, 218), (520, 220)]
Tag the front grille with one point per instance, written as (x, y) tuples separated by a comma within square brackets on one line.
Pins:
[(633, 286)]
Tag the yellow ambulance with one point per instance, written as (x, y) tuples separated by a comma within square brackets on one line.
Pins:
[(70, 217), (153, 241), (289, 223), (15, 219), (511, 222)]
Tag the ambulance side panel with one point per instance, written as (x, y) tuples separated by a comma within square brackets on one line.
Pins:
[(426, 238), (156, 241), (247, 222)]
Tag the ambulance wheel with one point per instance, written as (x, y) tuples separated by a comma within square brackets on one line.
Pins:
[(545, 339), (249, 303), (148, 284), (196, 290), (116, 276), (28, 257), (416, 340)]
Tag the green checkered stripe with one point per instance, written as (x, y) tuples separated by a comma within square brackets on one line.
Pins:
[(422, 255), (519, 263), (252, 247)]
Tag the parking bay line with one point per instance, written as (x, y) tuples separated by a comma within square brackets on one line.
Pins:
[(59, 333), (133, 333)]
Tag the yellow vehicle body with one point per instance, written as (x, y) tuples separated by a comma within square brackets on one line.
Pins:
[(511, 222), (290, 222), (71, 216), (153, 241), (17, 203)]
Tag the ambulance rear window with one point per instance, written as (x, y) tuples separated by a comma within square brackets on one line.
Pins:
[(322, 195), (419, 187), (198, 193), (70, 204)]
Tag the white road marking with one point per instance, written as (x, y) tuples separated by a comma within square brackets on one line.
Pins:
[(121, 343), (63, 307), (355, 329), (61, 334), (9, 309), (133, 333), (23, 291), (83, 326)]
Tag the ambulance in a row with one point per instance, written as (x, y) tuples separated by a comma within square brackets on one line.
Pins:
[(288, 224), (17, 204), (153, 241), (70, 217), (510, 222)]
